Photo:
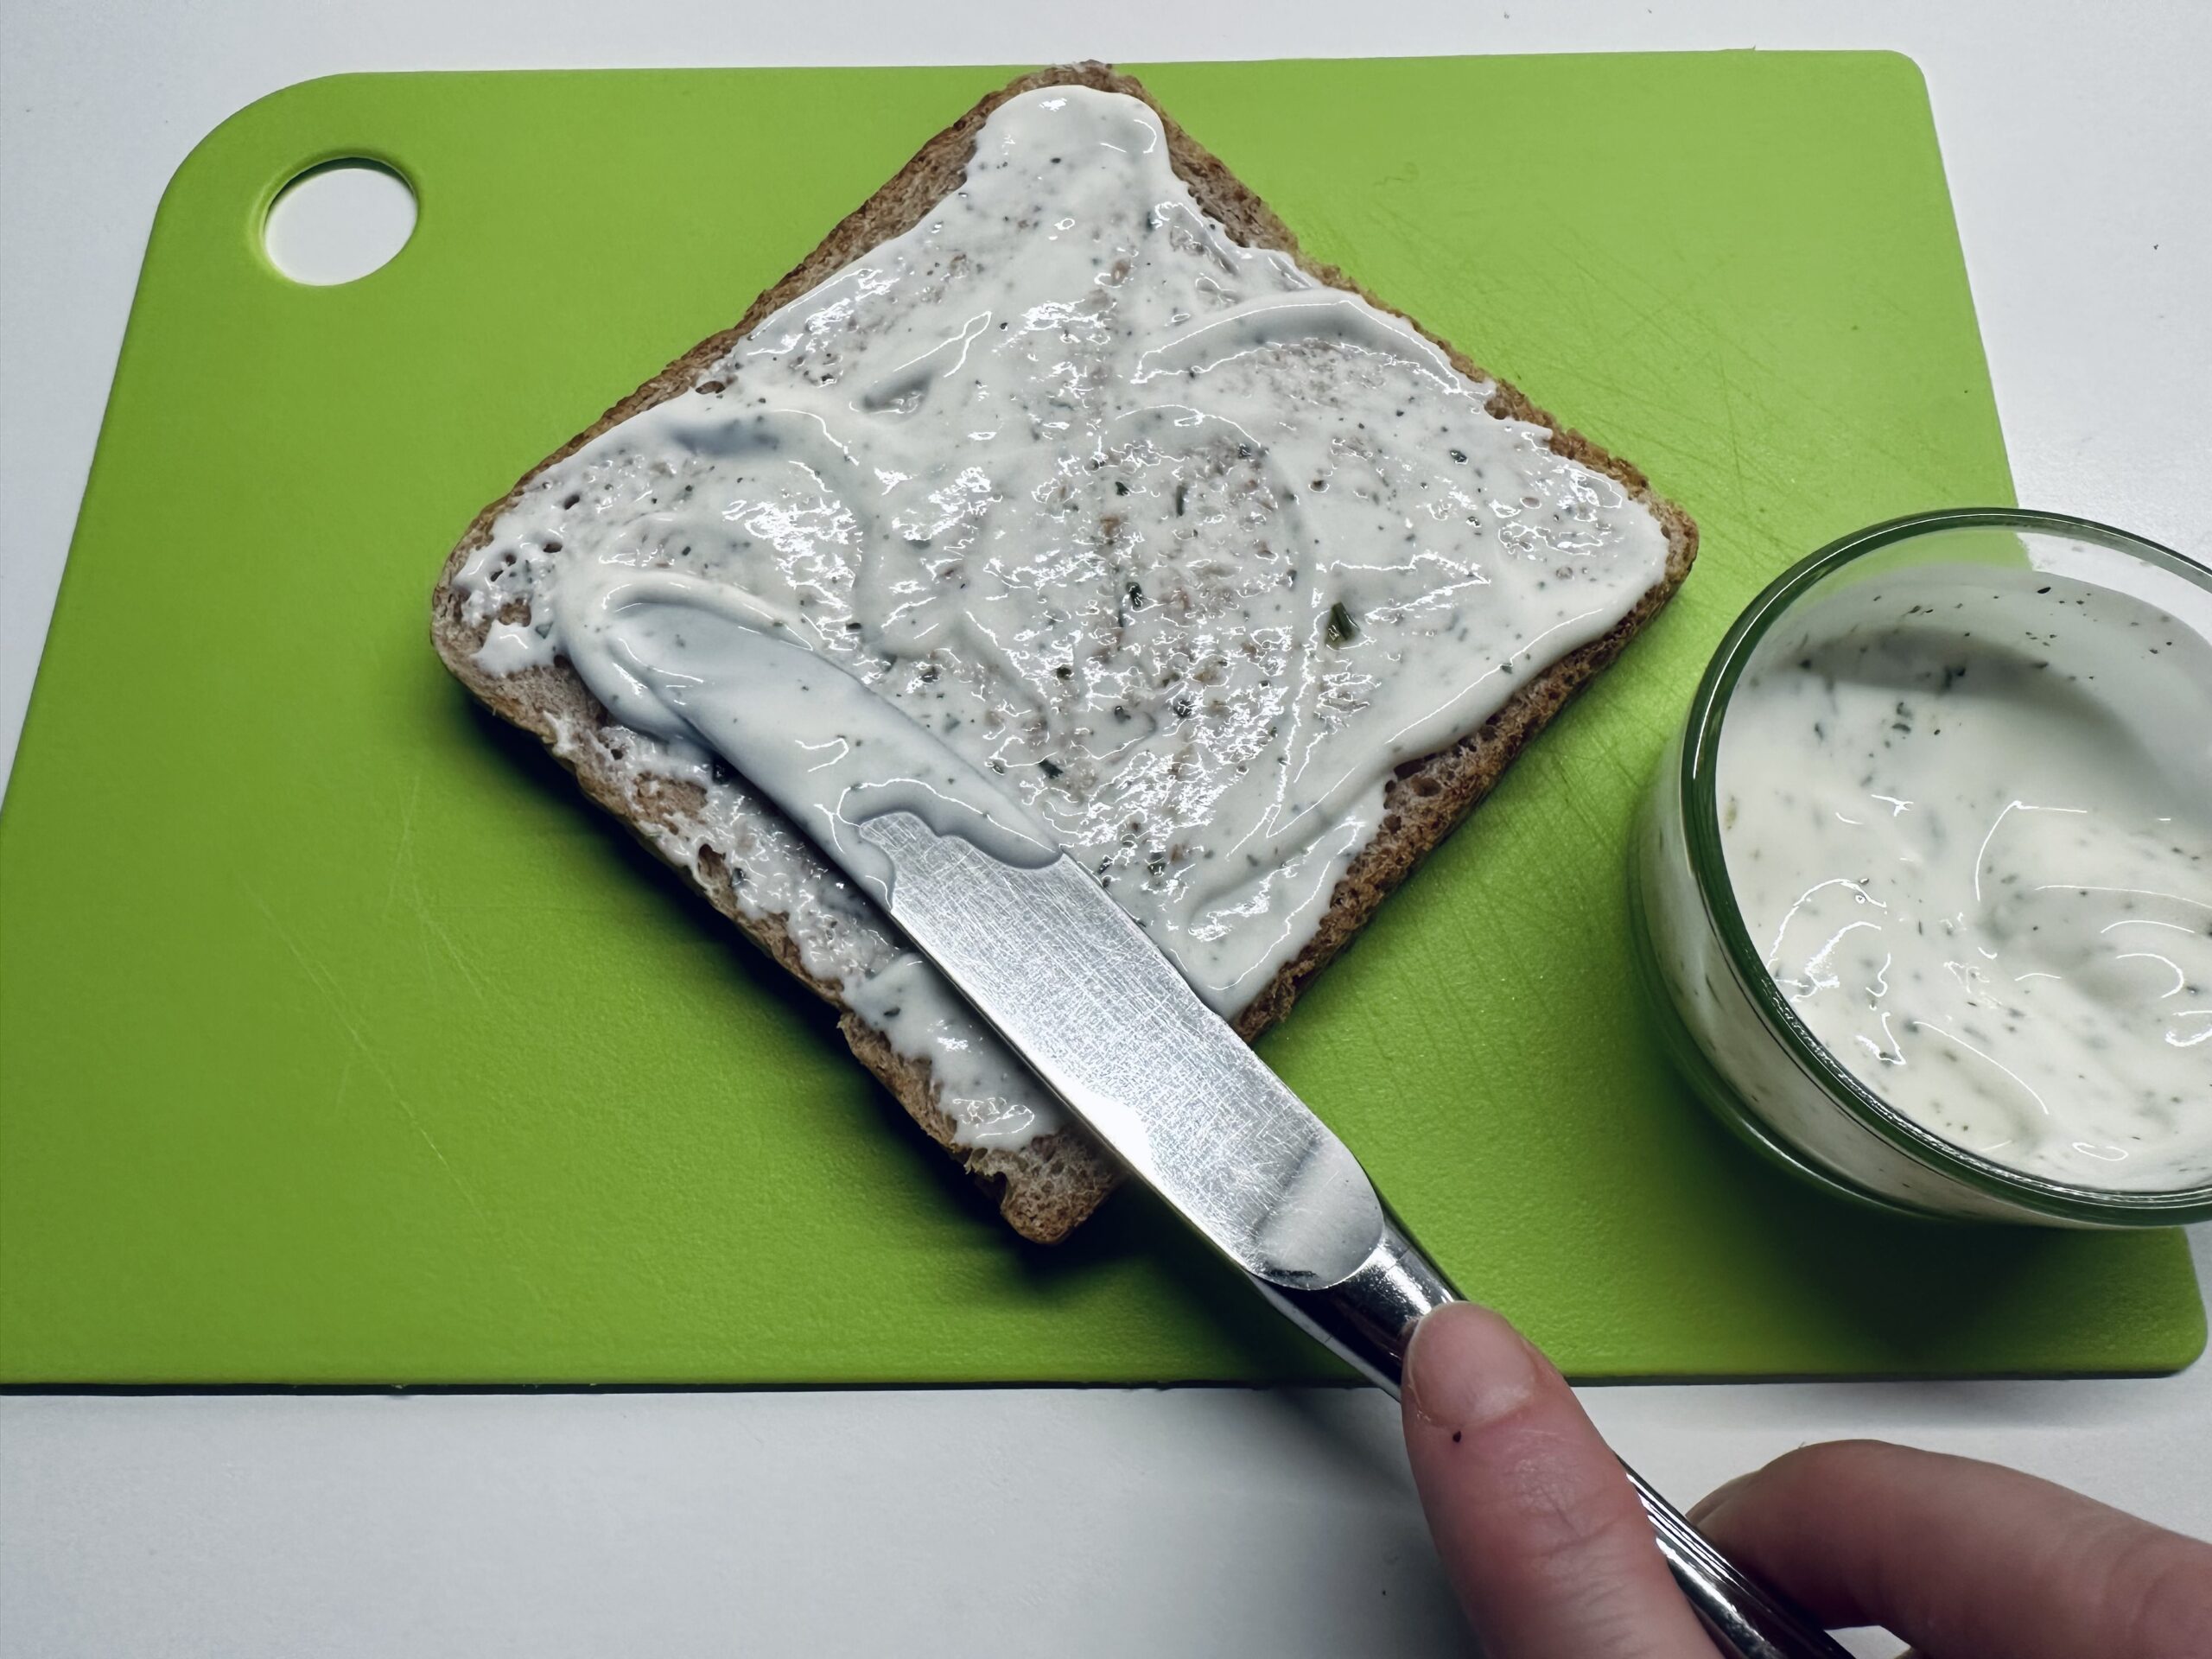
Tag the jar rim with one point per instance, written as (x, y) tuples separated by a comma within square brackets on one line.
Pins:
[(1699, 765)]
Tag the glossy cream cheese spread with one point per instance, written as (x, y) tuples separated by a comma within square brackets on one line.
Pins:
[(1187, 551), (1967, 815)]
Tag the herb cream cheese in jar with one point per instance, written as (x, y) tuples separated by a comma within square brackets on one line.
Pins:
[(1924, 886)]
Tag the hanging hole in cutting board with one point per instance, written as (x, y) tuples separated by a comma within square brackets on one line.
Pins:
[(339, 221)]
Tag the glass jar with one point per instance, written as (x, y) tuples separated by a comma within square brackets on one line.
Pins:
[(1732, 1028)]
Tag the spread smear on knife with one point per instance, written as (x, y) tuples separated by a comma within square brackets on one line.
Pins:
[(1191, 550)]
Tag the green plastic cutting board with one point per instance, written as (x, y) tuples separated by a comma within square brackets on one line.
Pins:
[(339, 1041)]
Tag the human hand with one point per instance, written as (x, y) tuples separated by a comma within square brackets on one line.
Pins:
[(1551, 1552)]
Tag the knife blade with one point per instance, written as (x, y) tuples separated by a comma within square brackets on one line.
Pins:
[(1075, 988), (1105, 1020)]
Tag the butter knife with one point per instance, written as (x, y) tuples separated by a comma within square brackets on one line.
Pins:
[(1074, 987)]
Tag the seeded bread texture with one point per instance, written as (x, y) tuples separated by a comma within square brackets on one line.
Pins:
[(1045, 1188)]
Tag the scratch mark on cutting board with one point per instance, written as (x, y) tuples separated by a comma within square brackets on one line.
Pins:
[(1644, 310), (1778, 396), (404, 865), (1735, 437), (432, 925), (320, 978), (403, 858), (327, 987)]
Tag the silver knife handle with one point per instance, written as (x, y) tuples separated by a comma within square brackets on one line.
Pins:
[(1742, 1614), (1367, 1320)]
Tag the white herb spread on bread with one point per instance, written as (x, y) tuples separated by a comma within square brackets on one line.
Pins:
[(1191, 550)]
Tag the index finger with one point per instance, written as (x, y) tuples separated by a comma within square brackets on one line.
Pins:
[(1546, 1542)]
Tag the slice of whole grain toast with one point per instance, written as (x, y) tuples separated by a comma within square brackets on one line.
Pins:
[(1045, 1187)]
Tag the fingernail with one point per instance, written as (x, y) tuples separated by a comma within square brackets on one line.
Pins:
[(1467, 1368), (1715, 1500)]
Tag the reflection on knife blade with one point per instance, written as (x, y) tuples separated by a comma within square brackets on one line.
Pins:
[(1078, 991)]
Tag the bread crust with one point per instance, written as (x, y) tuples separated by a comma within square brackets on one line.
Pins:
[(1044, 1189)]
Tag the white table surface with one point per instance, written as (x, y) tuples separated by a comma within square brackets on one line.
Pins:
[(2078, 144)]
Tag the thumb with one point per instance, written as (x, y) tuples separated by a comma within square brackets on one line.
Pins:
[(1545, 1540)]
